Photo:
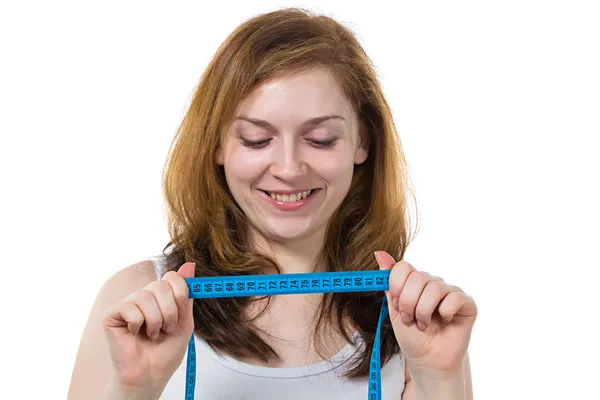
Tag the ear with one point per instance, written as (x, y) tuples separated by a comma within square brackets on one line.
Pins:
[(362, 151)]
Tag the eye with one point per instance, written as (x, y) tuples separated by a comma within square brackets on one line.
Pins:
[(255, 144), (322, 144)]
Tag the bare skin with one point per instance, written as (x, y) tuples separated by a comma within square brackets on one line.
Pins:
[(266, 163)]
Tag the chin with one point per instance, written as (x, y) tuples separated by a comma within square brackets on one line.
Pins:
[(289, 233)]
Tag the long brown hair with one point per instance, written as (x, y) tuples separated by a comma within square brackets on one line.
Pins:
[(208, 227)]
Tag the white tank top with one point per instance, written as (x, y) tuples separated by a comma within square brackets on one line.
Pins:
[(221, 377)]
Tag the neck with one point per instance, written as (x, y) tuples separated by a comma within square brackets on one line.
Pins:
[(298, 256)]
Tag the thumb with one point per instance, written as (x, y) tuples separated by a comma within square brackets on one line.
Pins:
[(385, 262), (187, 270)]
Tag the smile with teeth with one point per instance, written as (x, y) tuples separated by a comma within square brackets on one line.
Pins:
[(288, 198)]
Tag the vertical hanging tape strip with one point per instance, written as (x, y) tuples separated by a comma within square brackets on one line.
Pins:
[(281, 284), (190, 375)]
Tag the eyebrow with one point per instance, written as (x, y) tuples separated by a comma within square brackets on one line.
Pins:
[(311, 122)]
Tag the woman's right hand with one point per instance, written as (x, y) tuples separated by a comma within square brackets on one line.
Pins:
[(148, 333)]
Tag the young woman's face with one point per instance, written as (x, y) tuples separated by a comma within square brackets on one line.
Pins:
[(289, 155)]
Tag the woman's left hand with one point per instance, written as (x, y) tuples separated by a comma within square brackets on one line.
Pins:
[(435, 332)]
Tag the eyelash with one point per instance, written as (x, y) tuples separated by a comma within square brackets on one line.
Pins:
[(316, 143), (255, 145), (323, 144)]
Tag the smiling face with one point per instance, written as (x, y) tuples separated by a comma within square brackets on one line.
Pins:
[(289, 155)]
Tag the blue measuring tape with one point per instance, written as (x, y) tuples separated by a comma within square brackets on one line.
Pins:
[(280, 284)]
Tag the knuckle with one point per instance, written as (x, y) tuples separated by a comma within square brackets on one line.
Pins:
[(395, 281), (151, 286), (170, 312), (179, 289), (181, 298), (161, 286), (422, 314), (405, 265), (454, 296), (436, 287), (154, 321), (136, 319), (425, 276), (412, 275), (116, 307), (107, 319), (145, 296), (417, 276), (165, 300), (405, 302), (147, 302), (174, 280), (446, 316), (171, 275)]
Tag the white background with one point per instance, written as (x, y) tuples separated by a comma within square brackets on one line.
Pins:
[(497, 105)]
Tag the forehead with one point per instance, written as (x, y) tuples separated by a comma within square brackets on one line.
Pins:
[(292, 99)]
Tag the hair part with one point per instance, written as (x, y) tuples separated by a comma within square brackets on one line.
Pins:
[(206, 225)]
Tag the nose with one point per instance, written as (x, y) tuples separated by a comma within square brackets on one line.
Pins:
[(288, 163)]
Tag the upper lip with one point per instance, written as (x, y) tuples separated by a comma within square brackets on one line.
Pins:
[(294, 191)]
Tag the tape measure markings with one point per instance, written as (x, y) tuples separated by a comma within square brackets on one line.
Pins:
[(282, 284), (275, 284)]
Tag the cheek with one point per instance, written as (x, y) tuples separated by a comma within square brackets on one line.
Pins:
[(334, 166), (241, 165)]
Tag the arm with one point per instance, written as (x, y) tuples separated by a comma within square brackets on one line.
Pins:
[(459, 389), (93, 367)]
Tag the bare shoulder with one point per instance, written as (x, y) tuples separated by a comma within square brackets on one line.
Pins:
[(124, 282), (92, 368), (130, 279)]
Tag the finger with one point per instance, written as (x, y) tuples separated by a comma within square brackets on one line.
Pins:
[(180, 289), (410, 294), (187, 270), (432, 296), (386, 262), (127, 314), (457, 303), (398, 275), (166, 303), (146, 302)]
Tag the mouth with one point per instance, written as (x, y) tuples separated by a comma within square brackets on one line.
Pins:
[(288, 197)]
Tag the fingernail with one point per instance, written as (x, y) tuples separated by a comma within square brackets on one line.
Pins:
[(421, 325), (169, 328), (395, 304), (154, 336), (405, 317), (376, 257)]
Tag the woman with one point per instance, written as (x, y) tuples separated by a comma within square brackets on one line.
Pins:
[(286, 162)]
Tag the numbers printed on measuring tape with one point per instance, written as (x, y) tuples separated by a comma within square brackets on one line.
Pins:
[(269, 285)]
